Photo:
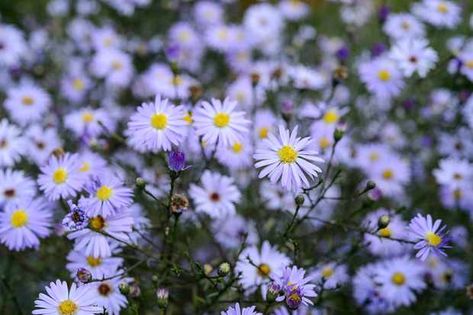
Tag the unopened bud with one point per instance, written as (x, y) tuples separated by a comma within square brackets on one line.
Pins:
[(274, 290), (208, 269), (224, 269), (383, 221), (163, 297), (370, 185), (83, 275), (135, 290), (140, 183), (338, 134), (299, 200), (124, 288)]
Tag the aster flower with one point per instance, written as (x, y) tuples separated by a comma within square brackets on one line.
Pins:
[(431, 236), (331, 275), (60, 177), (109, 296), (107, 196), (96, 265), (216, 196), (76, 219), (382, 77), (64, 301), (403, 26), (114, 66), (89, 122), (237, 310), (13, 45), (218, 122), (23, 223), (15, 187), (296, 287), (41, 143), (176, 161), (27, 103), (287, 159), (414, 56), (12, 144), (258, 267), (440, 13), (157, 126)]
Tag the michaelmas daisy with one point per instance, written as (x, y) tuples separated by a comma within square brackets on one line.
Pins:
[(62, 301), (431, 236), (156, 126), (288, 159)]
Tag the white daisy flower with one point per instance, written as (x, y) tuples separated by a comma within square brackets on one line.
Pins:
[(12, 144), (218, 122), (440, 13), (288, 159), (15, 186), (98, 266), (62, 301), (157, 126), (403, 26), (414, 56), (216, 196), (27, 103), (12, 45), (109, 296)]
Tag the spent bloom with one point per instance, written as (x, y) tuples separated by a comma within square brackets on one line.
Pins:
[(431, 236)]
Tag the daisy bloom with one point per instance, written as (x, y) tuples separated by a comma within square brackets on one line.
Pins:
[(414, 56), (236, 156), (109, 296), (12, 144), (89, 122), (62, 301), (157, 126), (331, 275), (107, 195), (23, 223), (41, 143), (13, 45), (381, 77), (98, 266), (60, 177), (15, 186), (403, 26), (218, 122), (296, 287), (288, 159), (258, 267), (27, 103), (237, 310), (216, 196), (440, 13), (431, 236)]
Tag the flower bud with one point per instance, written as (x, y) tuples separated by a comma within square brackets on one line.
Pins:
[(163, 297), (383, 221), (338, 134), (299, 200), (176, 161), (274, 290), (124, 288), (140, 183), (370, 185), (208, 269), (135, 290), (224, 269), (83, 275)]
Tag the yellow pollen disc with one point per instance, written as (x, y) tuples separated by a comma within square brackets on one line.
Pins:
[(388, 174), (104, 193), (221, 120), (87, 117), (78, 84), (384, 75), (469, 64), (60, 175), (330, 117), (442, 8), (67, 307), (237, 147), (188, 118), (433, 239), (287, 154), (386, 232), (177, 80), (374, 156), (457, 194), (117, 65), (324, 143), (159, 121), (19, 218), (398, 278), (264, 270), (27, 100), (327, 272), (405, 25), (85, 167), (263, 133), (97, 223), (94, 261)]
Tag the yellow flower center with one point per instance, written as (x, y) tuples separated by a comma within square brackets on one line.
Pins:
[(287, 154), (237, 147), (433, 239), (324, 143), (221, 120), (159, 121), (327, 272), (331, 117), (67, 307), (78, 84), (264, 270), (97, 223), (94, 261), (104, 193), (188, 118), (388, 174), (87, 117), (469, 64), (85, 167), (374, 156), (384, 75), (177, 80), (27, 100), (405, 25), (386, 232), (263, 132), (19, 218), (60, 175), (117, 65), (398, 278), (442, 7)]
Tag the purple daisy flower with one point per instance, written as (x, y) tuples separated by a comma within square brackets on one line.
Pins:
[(296, 287), (431, 236)]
